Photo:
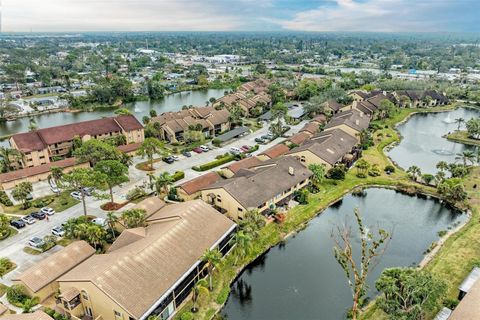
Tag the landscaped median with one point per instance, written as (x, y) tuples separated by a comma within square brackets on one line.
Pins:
[(215, 163)]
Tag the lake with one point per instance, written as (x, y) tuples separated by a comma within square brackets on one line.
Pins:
[(173, 102), (300, 279), (422, 143)]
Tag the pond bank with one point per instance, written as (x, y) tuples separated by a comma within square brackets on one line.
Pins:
[(462, 137)]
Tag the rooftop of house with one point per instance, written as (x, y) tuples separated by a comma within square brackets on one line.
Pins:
[(331, 146), (37, 315), (59, 263), (203, 181), (311, 127), (275, 151), (41, 138), (352, 118), (146, 262), (243, 164), (205, 116), (150, 205), (333, 105), (299, 138), (469, 306), (255, 186)]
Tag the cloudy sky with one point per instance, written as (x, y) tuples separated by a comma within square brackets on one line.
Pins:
[(229, 15)]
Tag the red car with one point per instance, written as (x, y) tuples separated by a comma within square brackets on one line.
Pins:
[(197, 150), (245, 148)]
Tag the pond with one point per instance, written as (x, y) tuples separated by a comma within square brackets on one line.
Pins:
[(173, 102), (422, 142), (300, 279)]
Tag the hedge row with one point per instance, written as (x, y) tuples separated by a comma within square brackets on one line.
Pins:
[(214, 163), (4, 199), (178, 175)]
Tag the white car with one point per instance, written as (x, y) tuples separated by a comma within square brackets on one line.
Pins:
[(28, 219), (36, 242), (76, 195), (58, 231), (100, 222), (204, 148), (48, 211), (55, 189), (235, 150), (176, 158)]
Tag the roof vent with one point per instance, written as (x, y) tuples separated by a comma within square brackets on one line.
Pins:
[(291, 171), (330, 151), (357, 122)]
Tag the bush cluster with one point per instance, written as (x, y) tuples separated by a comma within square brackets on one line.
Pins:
[(4, 199), (214, 163)]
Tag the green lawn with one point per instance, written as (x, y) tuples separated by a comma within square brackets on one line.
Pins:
[(58, 203), (3, 289), (463, 137)]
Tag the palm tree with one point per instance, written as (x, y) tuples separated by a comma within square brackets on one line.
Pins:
[(465, 156), (112, 218), (414, 172), (200, 288), (318, 171), (95, 235), (439, 177), (242, 241), (442, 166), (56, 174), (459, 122), (212, 258), (9, 156), (162, 182)]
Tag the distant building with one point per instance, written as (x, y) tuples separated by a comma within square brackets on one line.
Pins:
[(46, 145), (351, 122)]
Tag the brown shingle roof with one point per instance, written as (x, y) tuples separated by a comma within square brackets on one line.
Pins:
[(311, 127), (352, 118), (262, 183), (128, 123), (195, 185), (51, 268), (147, 268), (299, 138), (37, 315), (150, 205), (244, 164), (29, 172), (275, 151), (469, 306), (126, 148)]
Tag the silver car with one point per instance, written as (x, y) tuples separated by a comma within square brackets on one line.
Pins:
[(28, 219), (58, 231), (36, 242), (48, 211)]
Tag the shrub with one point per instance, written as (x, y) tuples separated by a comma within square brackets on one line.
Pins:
[(178, 175), (253, 149), (136, 193), (301, 196), (5, 266), (389, 169), (216, 142), (374, 171), (361, 175), (4, 199), (16, 294), (214, 163), (337, 172), (40, 203), (223, 295)]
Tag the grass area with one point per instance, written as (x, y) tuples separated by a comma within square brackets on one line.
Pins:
[(65, 242), (32, 251), (3, 289), (58, 203), (463, 137), (145, 165), (12, 267)]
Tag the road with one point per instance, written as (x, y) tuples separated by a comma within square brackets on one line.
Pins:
[(13, 247)]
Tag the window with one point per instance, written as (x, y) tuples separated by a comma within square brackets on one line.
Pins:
[(118, 315), (240, 210), (302, 159), (84, 295)]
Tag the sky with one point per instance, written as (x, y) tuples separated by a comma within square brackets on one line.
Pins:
[(241, 15)]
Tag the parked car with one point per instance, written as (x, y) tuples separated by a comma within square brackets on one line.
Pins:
[(76, 195), (38, 215), (36, 242), (48, 211), (100, 222), (58, 231), (270, 136), (266, 137), (259, 140), (174, 157), (197, 150), (29, 197), (55, 189), (88, 191), (235, 150), (168, 160), (204, 148), (19, 224), (28, 219), (187, 154), (245, 148)]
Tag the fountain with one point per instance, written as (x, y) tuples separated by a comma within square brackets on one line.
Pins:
[(448, 119)]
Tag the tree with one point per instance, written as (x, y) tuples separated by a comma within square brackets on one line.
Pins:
[(409, 294), (427, 178), (242, 242), (371, 248), (279, 110), (362, 168), (306, 89), (466, 156), (261, 68), (386, 109), (276, 128), (95, 150), (133, 218), (414, 172), (452, 190), (276, 93), (56, 174), (149, 148), (212, 258), (318, 171), (155, 90), (459, 122), (200, 288), (79, 179), (115, 173), (123, 112), (236, 115), (252, 223), (4, 225), (95, 235), (442, 166), (162, 182), (15, 72), (473, 128), (8, 156), (21, 192), (112, 218)]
